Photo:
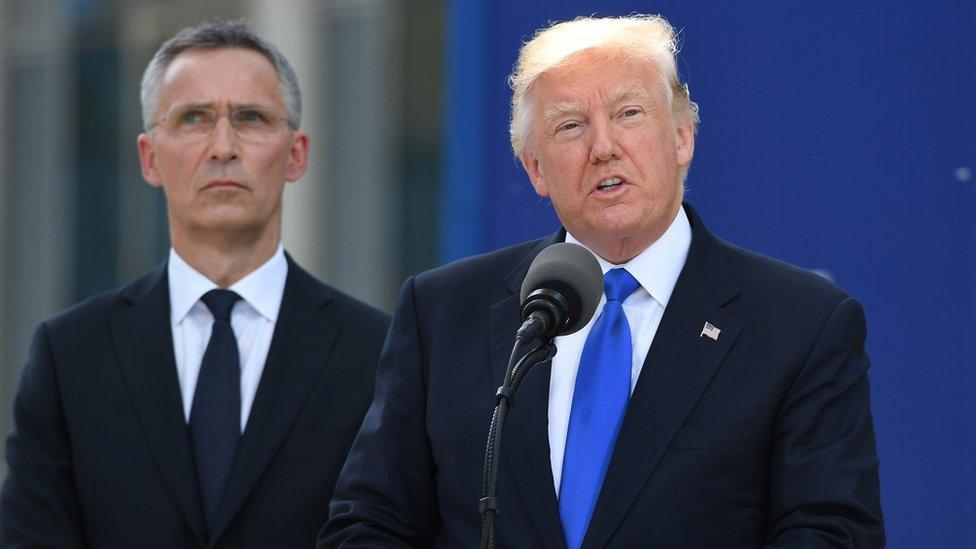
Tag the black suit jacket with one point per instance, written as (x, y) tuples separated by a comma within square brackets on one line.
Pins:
[(100, 454), (761, 437)]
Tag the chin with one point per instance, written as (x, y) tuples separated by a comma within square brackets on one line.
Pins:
[(617, 222), (228, 221)]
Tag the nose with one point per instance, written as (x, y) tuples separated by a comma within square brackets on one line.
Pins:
[(603, 146), (223, 145)]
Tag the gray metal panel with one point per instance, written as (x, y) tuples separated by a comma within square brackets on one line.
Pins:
[(363, 155), (341, 221), (35, 180)]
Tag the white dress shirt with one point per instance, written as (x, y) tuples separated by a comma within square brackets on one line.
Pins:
[(252, 319), (656, 269)]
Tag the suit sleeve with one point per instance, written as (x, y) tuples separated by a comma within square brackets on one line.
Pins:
[(385, 494), (38, 503), (824, 489)]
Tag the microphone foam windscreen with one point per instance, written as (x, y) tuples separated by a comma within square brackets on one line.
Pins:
[(568, 268)]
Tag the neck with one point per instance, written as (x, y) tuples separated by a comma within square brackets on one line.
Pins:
[(225, 258), (620, 251)]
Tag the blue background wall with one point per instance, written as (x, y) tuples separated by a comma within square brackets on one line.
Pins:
[(835, 136)]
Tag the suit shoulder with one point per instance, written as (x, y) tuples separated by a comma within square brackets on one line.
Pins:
[(364, 318), (93, 309), (359, 312), (758, 274), (482, 269)]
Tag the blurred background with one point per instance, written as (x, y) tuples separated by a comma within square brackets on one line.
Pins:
[(839, 136)]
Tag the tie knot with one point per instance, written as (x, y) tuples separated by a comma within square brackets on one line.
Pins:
[(220, 303), (618, 284)]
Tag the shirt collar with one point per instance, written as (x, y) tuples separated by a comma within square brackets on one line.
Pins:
[(262, 289), (658, 266)]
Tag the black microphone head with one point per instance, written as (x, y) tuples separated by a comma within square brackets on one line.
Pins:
[(571, 271)]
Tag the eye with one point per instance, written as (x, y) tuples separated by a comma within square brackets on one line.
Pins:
[(191, 117), (250, 117), (572, 124), (630, 112)]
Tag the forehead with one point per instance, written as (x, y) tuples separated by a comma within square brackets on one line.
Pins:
[(596, 76), (228, 75)]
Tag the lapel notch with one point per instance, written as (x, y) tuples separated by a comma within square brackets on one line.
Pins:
[(144, 343), (526, 438), (676, 371), (300, 348)]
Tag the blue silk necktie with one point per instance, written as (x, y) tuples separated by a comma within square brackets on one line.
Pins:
[(599, 402), (215, 418)]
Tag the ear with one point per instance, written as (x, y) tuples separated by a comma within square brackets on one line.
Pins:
[(147, 160), (531, 165), (297, 157), (685, 136)]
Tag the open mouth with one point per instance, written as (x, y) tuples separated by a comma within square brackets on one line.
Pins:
[(610, 184)]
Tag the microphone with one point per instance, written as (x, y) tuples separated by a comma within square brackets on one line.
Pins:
[(559, 296), (560, 292)]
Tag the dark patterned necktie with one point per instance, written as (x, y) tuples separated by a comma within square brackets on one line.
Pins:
[(215, 418)]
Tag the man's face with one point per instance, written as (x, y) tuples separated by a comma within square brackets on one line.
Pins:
[(222, 149), (606, 150)]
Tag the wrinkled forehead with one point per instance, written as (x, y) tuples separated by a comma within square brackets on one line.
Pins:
[(218, 76), (609, 75)]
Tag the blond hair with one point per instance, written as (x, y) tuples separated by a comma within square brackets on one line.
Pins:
[(649, 38)]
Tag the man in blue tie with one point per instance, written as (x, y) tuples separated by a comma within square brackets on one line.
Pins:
[(211, 402), (718, 398)]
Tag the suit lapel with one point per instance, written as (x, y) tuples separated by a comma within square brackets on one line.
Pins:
[(676, 372), (526, 439), (144, 343), (300, 348)]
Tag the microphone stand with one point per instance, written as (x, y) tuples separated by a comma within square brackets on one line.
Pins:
[(504, 401)]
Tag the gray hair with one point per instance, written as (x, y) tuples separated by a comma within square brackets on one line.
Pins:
[(649, 38), (213, 35)]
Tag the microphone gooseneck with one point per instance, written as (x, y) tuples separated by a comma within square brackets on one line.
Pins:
[(560, 293)]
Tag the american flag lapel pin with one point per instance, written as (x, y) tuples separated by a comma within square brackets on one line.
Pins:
[(710, 331)]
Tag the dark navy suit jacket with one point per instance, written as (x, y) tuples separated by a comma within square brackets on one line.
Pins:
[(761, 437), (100, 454)]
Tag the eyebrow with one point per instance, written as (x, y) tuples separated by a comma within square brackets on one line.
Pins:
[(210, 106), (618, 95), (561, 109), (628, 93)]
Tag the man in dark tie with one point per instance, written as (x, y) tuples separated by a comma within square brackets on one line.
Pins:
[(210, 403), (718, 398)]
